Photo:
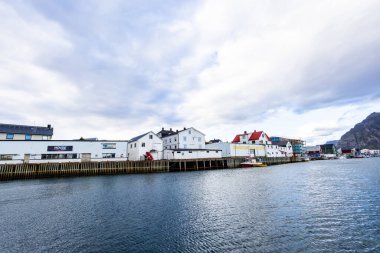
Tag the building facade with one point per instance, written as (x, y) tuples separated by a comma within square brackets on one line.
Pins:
[(36, 151), (188, 138), (238, 150), (21, 132), (147, 146), (256, 137), (182, 154)]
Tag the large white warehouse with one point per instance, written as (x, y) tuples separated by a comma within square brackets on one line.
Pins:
[(62, 151)]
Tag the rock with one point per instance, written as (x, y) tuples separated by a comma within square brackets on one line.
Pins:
[(364, 135)]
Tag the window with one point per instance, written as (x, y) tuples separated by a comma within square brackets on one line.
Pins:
[(184, 146), (109, 145), (170, 140), (199, 139), (189, 131), (178, 152), (143, 144), (10, 136), (59, 156), (135, 144), (151, 136), (175, 146), (131, 145), (207, 151), (175, 139), (6, 157), (190, 151), (108, 155), (184, 138), (28, 137)]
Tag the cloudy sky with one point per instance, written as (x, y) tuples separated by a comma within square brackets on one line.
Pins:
[(117, 68)]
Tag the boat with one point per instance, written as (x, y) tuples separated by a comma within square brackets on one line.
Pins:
[(305, 159), (251, 162)]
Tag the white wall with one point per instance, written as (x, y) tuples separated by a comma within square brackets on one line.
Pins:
[(37, 148), (191, 139), (238, 150), (191, 154), (148, 143)]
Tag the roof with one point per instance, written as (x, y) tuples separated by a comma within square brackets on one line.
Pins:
[(165, 133), (254, 136), (23, 129), (179, 131), (138, 137), (280, 143)]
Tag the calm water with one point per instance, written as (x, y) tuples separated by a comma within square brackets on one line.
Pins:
[(321, 206)]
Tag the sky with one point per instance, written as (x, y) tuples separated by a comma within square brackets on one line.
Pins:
[(118, 68)]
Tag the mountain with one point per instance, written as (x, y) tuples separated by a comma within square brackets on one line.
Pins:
[(365, 134)]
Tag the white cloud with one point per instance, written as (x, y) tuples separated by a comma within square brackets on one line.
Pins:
[(117, 69)]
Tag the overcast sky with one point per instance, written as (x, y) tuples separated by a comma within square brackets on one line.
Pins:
[(118, 68)]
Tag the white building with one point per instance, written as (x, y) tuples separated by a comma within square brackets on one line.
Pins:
[(188, 138), (43, 151), (181, 154), (238, 150), (142, 146), (256, 143), (279, 149), (256, 137)]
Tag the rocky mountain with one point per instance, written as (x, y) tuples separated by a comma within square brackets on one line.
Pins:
[(365, 134)]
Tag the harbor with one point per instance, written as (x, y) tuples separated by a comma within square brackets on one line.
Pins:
[(46, 170)]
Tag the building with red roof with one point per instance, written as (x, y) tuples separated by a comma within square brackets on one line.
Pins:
[(255, 137)]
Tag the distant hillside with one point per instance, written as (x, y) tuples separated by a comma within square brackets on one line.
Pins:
[(364, 135)]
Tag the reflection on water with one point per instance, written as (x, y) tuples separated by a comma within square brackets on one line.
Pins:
[(321, 206)]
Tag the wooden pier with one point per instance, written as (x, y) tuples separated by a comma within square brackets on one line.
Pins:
[(44, 170)]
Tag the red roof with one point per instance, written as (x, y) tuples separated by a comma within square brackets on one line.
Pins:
[(236, 139), (255, 136)]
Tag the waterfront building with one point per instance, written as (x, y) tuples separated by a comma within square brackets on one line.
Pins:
[(313, 151), (238, 150), (188, 138), (328, 149), (285, 147), (297, 144), (44, 151), (259, 137), (181, 154), (23, 132), (147, 146)]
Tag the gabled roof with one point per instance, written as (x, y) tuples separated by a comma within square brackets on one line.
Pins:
[(254, 136), (22, 129), (165, 133), (139, 137), (179, 131)]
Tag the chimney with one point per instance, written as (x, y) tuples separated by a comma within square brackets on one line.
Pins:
[(49, 126), (254, 131), (245, 132), (171, 129), (177, 130), (163, 129), (184, 128)]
